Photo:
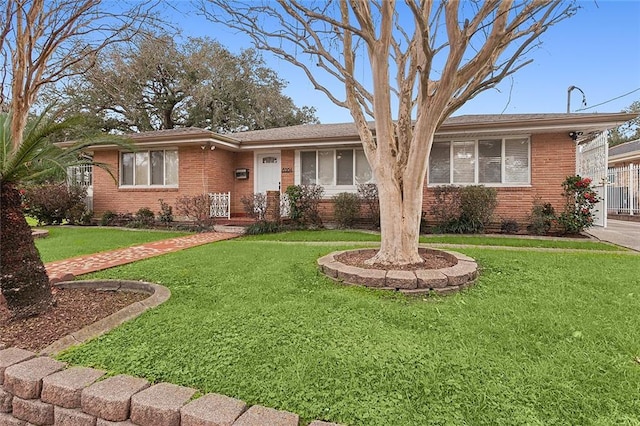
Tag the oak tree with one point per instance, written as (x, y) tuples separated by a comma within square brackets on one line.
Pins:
[(157, 83)]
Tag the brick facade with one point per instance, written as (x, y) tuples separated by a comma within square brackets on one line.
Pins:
[(205, 170), (553, 158)]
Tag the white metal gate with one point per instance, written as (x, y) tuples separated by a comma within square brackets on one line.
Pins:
[(220, 205), (623, 190), (591, 161)]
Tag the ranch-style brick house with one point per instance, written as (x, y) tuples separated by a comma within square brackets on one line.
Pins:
[(524, 156)]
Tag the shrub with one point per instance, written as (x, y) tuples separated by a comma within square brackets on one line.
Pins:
[(346, 209), (263, 227), (196, 208), (368, 193), (580, 199), (143, 218), (107, 218), (255, 206), (509, 226), (446, 207), (165, 215), (477, 204), (52, 203), (304, 201), (463, 210), (542, 217)]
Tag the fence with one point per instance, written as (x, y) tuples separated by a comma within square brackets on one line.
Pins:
[(82, 175), (623, 191), (220, 205)]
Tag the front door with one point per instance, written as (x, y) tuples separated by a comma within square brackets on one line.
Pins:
[(267, 172)]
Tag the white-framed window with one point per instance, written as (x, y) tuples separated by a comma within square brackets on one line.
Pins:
[(154, 168), (341, 167), (488, 161)]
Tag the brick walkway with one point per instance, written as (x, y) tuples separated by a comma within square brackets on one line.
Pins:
[(67, 269)]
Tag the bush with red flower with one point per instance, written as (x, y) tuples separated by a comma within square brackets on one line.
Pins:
[(581, 200)]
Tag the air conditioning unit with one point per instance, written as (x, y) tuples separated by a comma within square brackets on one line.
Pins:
[(242, 174)]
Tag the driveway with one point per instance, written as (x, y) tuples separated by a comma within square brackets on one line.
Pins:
[(620, 232)]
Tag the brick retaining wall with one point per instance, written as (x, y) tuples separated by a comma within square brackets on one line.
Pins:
[(37, 390)]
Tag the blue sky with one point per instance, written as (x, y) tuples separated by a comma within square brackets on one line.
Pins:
[(597, 50)]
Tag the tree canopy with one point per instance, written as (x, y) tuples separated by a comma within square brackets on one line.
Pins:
[(158, 83), (630, 130)]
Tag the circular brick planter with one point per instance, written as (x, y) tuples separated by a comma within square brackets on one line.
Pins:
[(415, 282), (39, 233)]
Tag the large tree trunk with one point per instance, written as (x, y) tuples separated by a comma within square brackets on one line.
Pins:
[(399, 227), (23, 278)]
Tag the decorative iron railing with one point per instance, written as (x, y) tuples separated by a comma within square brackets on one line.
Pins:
[(81, 175), (220, 205), (285, 206)]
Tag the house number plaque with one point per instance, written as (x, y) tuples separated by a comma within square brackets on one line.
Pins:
[(286, 170)]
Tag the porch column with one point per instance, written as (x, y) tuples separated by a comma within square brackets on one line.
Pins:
[(272, 213)]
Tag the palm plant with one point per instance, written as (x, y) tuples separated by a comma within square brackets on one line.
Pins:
[(23, 278)]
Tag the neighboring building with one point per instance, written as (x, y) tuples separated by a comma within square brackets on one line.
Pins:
[(623, 190), (524, 156)]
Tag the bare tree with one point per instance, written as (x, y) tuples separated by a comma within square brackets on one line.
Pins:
[(425, 60), (41, 42)]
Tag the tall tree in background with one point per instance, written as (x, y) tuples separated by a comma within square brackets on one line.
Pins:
[(425, 59), (156, 83), (630, 130), (43, 42)]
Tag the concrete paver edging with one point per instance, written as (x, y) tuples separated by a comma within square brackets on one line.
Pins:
[(158, 294)]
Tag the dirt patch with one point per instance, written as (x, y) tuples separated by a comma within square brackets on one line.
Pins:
[(74, 309), (432, 260)]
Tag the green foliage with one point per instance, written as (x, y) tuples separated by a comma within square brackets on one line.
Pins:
[(628, 131), (158, 82), (263, 227), (580, 202), (368, 193), (53, 203), (304, 202), (36, 159), (342, 236), (67, 242), (510, 350), (446, 207), (144, 218), (165, 215), (107, 218), (346, 209), (542, 217), (463, 210), (509, 226)]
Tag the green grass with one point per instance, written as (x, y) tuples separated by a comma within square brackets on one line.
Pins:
[(65, 242), (543, 338), (480, 240)]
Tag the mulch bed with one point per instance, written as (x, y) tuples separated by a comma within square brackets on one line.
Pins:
[(73, 310), (431, 260)]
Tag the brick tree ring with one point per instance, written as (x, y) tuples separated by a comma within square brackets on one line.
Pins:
[(448, 273)]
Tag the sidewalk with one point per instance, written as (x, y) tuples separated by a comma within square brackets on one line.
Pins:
[(619, 232), (65, 270)]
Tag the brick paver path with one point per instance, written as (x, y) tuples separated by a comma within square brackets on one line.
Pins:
[(63, 270)]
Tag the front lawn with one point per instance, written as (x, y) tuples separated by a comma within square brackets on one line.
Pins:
[(65, 242), (476, 240), (543, 338)]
